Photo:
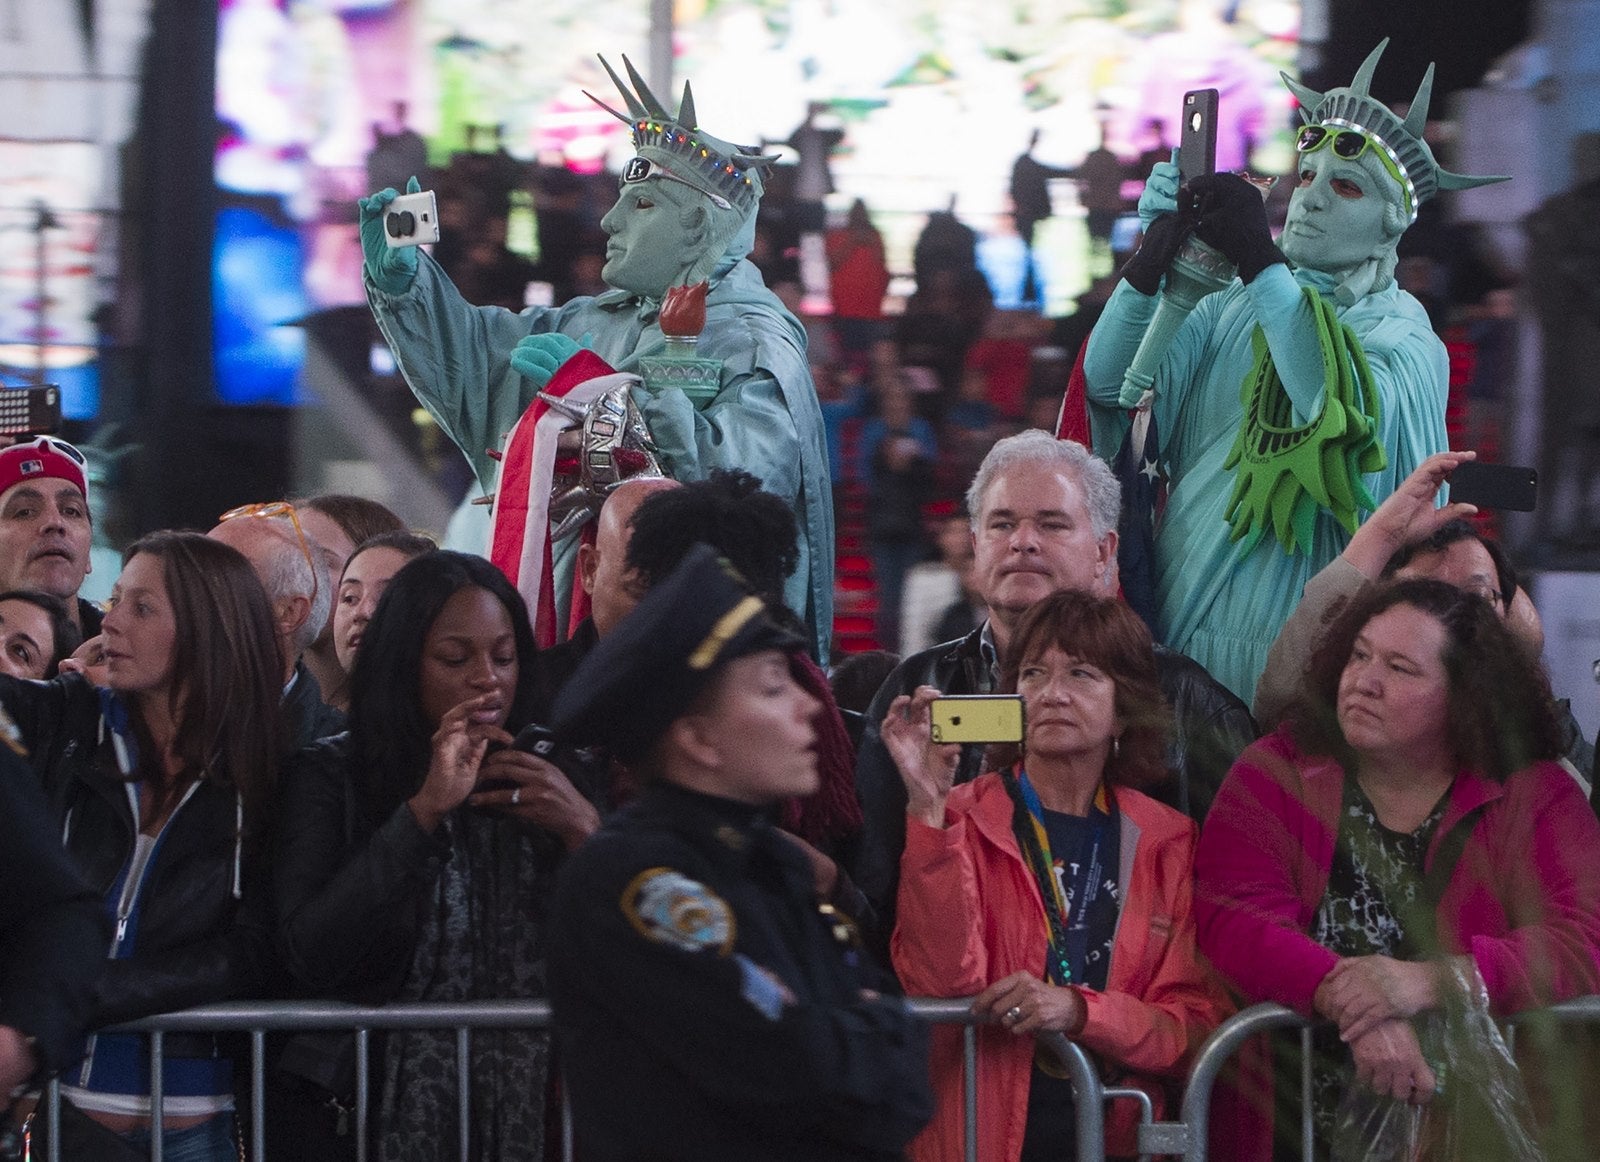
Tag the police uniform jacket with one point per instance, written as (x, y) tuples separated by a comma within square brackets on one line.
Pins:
[(672, 927)]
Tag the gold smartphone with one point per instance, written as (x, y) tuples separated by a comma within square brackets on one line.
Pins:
[(977, 718)]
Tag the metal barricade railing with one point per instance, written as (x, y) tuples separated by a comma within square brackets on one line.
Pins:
[(257, 1019), (1188, 1136), (1089, 1094)]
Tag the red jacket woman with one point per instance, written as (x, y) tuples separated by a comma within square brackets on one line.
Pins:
[(1054, 891), (970, 914)]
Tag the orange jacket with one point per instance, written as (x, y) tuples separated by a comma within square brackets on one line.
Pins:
[(970, 913)]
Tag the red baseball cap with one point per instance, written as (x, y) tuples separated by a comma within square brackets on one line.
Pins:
[(44, 458)]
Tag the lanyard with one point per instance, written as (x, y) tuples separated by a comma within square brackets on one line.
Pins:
[(1081, 879)]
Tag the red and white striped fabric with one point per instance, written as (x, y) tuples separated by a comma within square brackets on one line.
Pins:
[(519, 543)]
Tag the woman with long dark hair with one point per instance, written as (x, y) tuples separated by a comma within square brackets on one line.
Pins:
[(162, 783), (416, 854)]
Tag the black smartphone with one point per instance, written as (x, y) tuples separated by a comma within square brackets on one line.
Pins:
[(30, 411), (1505, 487), (536, 740), (1197, 135)]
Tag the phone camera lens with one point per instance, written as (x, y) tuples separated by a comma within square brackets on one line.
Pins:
[(401, 224)]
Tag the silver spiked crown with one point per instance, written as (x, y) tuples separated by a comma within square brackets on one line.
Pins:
[(675, 141), (1354, 107)]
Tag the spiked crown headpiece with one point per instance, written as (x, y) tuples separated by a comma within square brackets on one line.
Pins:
[(1353, 107), (675, 142)]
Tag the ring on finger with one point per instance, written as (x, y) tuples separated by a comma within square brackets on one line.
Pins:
[(1013, 1014), (516, 795)]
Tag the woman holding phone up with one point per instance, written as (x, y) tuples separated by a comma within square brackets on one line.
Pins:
[(1052, 888)]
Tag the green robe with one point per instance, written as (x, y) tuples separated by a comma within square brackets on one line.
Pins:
[(765, 419), (1219, 607)]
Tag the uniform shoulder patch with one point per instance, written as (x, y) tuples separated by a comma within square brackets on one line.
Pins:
[(668, 907)]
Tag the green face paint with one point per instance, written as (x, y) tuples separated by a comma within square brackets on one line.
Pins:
[(645, 238), (1336, 214)]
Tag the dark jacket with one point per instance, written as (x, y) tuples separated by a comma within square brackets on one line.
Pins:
[(670, 926), (203, 931), (1210, 727), (55, 932), (347, 880), (306, 717)]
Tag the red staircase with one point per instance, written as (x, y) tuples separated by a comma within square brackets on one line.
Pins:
[(855, 595)]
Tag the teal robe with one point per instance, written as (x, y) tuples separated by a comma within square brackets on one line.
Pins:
[(764, 420), (1219, 607)]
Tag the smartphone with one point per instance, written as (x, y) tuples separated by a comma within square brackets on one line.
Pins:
[(30, 411), (1197, 135), (1505, 487), (536, 740), (977, 718), (411, 220)]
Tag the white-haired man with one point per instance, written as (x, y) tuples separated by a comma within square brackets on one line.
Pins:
[(289, 564)]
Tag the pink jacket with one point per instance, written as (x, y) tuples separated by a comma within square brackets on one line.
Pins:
[(1524, 899), (970, 913)]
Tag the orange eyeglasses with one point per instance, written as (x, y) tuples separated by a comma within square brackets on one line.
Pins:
[(270, 510)]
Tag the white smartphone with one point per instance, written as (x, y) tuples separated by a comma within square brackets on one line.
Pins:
[(411, 220)]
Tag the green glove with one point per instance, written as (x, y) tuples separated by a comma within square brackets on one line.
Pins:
[(537, 357), (390, 269), (1160, 193)]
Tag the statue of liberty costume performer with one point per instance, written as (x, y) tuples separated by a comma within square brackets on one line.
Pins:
[(685, 213), (1299, 394)]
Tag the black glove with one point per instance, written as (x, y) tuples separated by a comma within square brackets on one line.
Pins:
[(1233, 219), (1160, 246)]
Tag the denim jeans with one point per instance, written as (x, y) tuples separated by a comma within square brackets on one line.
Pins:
[(213, 1140)]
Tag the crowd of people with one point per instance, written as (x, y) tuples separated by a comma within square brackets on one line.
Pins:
[(227, 833), (307, 754)]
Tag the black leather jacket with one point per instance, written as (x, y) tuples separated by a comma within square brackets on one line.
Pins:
[(55, 930), (347, 882), (1210, 727), (203, 930)]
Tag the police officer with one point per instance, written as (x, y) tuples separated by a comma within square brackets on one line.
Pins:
[(706, 1007)]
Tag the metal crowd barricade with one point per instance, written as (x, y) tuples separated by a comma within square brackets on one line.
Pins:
[(1089, 1093), (257, 1019), (1187, 1137)]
